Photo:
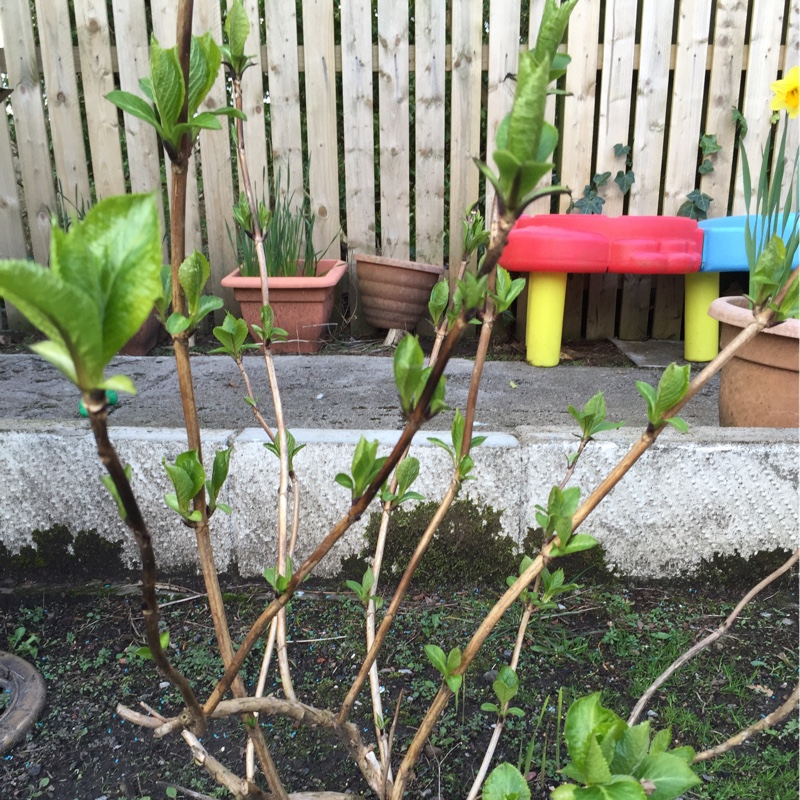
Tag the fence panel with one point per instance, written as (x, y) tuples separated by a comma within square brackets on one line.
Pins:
[(429, 86), (323, 167), (215, 163), (286, 135), (465, 120), (133, 56), (692, 61), (64, 108), (97, 76)]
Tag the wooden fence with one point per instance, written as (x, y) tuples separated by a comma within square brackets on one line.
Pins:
[(377, 109)]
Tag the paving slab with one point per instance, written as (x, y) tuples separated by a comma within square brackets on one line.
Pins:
[(712, 491)]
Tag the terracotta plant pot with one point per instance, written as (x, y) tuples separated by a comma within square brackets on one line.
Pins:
[(302, 306), (759, 385), (145, 339), (394, 293)]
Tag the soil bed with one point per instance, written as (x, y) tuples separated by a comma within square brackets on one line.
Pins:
[(610, 637)]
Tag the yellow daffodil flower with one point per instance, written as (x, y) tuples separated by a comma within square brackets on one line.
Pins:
[(785, 96)]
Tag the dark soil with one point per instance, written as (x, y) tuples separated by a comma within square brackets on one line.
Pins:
[(614, 638)]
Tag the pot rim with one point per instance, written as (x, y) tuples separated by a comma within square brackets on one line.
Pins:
[(332, 276), (734, 311), (399, 263)]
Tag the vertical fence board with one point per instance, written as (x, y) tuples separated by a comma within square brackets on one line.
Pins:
[(29, 123), (619, 37), (504, 20), (12, 242), (686, 115), (429, 40), (393, 126), (684, 133), (694, 67), (576, 159), (791, 57), (94, 44), (255, 134), (215, 163), (359, 135), (763, 62), (284, 97), (465, 119), (648, 140), (63, 107), (323, 154), (726, 70), (130, 27), (165, 21)]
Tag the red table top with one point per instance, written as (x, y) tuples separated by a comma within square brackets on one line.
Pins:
[(594, 243)]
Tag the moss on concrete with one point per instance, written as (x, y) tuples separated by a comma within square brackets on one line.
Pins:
[(56, 552), (468, 549)]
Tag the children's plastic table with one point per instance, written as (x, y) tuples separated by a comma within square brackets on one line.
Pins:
[(723, 251), (550, 246)]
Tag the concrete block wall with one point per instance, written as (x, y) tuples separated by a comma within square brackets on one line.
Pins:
[(712, 491)]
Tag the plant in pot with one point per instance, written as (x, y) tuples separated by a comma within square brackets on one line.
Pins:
[(301, 286), (759, 385)]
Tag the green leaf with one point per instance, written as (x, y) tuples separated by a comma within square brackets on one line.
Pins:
[(649, 394), (177, 323), (506, 685), (192, 275), (709, 144), (204, 63), (440, 296), (112, 489), (103, 280), (454, 682), (577, 542), (620, 787), (453, 660), (437, 657), (237, 29), (672, 387), (595, 767), (661, 741), (166, 84), (624, 180), (585, 720), (631, 749), (506, 783), (671, 775), (135, 106), (407, 472), (408, 361)]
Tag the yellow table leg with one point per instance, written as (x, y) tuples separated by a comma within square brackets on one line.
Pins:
[(546, 293), (701, 332)]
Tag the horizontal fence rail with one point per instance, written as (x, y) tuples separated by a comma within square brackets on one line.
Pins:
[(376, 111)]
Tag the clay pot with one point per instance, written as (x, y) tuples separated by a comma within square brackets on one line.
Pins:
[(145, 339), (759, 385), (302, 306), (394, 293)]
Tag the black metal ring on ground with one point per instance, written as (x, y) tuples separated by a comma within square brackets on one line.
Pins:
[(27, 694)]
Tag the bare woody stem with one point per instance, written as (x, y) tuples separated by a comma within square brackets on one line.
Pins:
[(711, 638), (186, 385), (761, 320), (470, 651), (98, 416), (359, 506), (774, 718)]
